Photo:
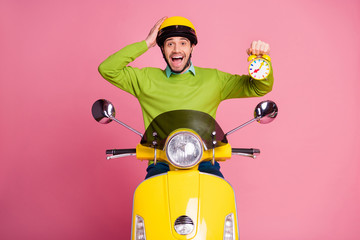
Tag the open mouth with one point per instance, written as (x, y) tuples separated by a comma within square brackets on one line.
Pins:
[(177, 60)]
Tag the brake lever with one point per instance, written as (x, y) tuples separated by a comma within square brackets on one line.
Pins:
[(120, 155), (245, 155)]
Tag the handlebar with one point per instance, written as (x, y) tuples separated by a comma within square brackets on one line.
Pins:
[(117, 153), (120, 151), (247, 152)]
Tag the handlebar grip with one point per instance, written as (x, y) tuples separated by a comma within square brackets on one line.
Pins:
[(120, 151), (251, 151)]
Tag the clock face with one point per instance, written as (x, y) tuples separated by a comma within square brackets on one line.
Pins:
[(259, 69)]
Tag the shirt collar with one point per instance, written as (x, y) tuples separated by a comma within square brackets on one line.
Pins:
[(169, 72)]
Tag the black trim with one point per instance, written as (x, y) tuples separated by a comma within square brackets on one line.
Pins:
[(176, 31), (246, 150), (120, 151)]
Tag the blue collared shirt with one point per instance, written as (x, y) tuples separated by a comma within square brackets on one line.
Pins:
[(169, 72)]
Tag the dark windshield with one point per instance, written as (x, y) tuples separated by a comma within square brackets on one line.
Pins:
[(202, 123)]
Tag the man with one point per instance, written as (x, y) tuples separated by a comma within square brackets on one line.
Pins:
[(181, 85)]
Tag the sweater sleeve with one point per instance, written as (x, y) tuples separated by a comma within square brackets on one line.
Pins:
[(236, 86), (115, 70)]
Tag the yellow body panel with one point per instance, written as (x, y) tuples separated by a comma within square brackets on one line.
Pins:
[(205, 198)]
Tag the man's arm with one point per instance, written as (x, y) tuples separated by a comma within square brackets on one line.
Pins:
[(235, 86), (114, 68)]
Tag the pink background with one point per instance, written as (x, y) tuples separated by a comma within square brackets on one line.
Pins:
[(54, 180)]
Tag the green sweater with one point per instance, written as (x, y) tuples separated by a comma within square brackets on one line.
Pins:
[(158, 94)]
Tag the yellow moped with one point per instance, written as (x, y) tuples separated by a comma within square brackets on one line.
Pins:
[(184, 203)]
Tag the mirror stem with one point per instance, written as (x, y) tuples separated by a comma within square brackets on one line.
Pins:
[(241, 126), (128, 127)]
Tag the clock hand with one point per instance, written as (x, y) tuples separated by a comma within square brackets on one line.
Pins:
[(261, 65), (255, 71)]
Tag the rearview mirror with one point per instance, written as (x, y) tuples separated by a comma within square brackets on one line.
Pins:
[(266, 112), (103, 111)]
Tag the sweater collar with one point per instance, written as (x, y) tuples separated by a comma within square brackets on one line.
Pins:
[(169, 72)]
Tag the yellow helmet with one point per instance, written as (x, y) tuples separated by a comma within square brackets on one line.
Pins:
[(176, 27)]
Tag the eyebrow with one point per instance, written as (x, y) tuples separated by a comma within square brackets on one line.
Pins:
[(182, 38)]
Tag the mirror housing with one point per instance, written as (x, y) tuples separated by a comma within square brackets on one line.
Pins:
[(265, 112), (103, 111)]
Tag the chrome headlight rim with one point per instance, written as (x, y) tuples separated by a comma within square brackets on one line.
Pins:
[(180, 132)]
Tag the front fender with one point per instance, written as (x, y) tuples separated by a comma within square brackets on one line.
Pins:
[(205, 198)]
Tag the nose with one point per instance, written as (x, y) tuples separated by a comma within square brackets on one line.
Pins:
[(176, 47)]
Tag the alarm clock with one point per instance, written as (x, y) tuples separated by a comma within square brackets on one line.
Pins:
[(259, 67)]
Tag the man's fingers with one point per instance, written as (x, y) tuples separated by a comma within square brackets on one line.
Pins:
[(151, 38), (158, 24), (265, 48), (253, 47), (248, 51), (262, 48), (259, 48), (161, 21)]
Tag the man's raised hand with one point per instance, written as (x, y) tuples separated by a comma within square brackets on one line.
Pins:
[(151, 38)]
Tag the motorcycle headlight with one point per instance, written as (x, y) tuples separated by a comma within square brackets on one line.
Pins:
[(184, 225), (184, 149)]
